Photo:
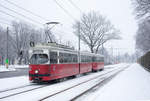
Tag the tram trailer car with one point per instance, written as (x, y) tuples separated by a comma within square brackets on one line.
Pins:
[(52, 62)]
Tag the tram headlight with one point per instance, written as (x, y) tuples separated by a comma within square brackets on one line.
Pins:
[(36, 71)]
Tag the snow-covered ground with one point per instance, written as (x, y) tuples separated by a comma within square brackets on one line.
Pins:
[(133, 84), (50, 89), (130, 85), (12, 67), (8, 83)]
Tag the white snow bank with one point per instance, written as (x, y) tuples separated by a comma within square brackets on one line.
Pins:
[(4, 69), (116, 65), (21, 66), (133, 84), (15, 66), (12, 67)]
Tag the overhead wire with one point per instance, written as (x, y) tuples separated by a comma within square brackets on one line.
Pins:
[(37, 14), (28, 18), (72, 3), (64, 10), (70, 15), (11, 15), (34, 14), (8, 14), (21, 14)]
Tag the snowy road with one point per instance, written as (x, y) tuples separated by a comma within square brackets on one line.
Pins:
[(51, 89), (16, 72)]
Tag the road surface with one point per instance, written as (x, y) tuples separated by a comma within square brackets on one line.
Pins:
[(18, 72)]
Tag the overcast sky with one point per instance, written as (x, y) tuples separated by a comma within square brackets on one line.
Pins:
[(119, 12)]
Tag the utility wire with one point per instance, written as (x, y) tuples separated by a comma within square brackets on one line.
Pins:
[(26, 10), (21, 15), (10, 15), (64, 10), (71, 2)]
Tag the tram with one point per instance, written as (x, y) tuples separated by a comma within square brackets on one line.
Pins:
[(52, 61)]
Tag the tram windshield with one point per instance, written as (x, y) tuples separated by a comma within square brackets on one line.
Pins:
[(39, 59)]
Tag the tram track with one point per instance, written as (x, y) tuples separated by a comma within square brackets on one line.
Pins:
[(96, 85), (19, 90), (64, 90), (27, 88), (1, 91)]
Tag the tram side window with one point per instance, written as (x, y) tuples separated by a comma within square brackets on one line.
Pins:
[(82, 58), (94, 59), (68, 58), (74, 58), (97, 59), (85, 58), (63, 57), (53, 57), (100, 59), (90, 58)]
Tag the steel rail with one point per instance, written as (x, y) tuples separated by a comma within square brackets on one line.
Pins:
[(101, 82), (17, 93), (95, 77)]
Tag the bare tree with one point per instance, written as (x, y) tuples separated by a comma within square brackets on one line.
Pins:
[(142, 8), (143, 36), (95, 30), (23, 34), (2, 45), (19, 38)]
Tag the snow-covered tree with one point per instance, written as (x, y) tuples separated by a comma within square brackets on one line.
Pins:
[(95, 30), (143, 36), (142, 8), (23, 34)]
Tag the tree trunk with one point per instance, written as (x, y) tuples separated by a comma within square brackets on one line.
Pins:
[(92, 49)]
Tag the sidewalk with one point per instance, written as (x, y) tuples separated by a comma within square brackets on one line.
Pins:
[(133, 84), (12, 67)]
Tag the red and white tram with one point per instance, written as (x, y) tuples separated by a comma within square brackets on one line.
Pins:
[(51, 61)]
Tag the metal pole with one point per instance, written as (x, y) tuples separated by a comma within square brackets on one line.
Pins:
[(112, 55), (79, 45), (102, 48), (7, 42), (7, 48), (79, 35)]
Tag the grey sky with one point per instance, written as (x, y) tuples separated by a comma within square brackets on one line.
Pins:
[(119, 12)]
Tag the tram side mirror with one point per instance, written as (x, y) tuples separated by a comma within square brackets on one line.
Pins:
[(32, 44)]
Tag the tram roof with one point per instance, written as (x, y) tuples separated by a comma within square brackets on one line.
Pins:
[(55, 46)]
